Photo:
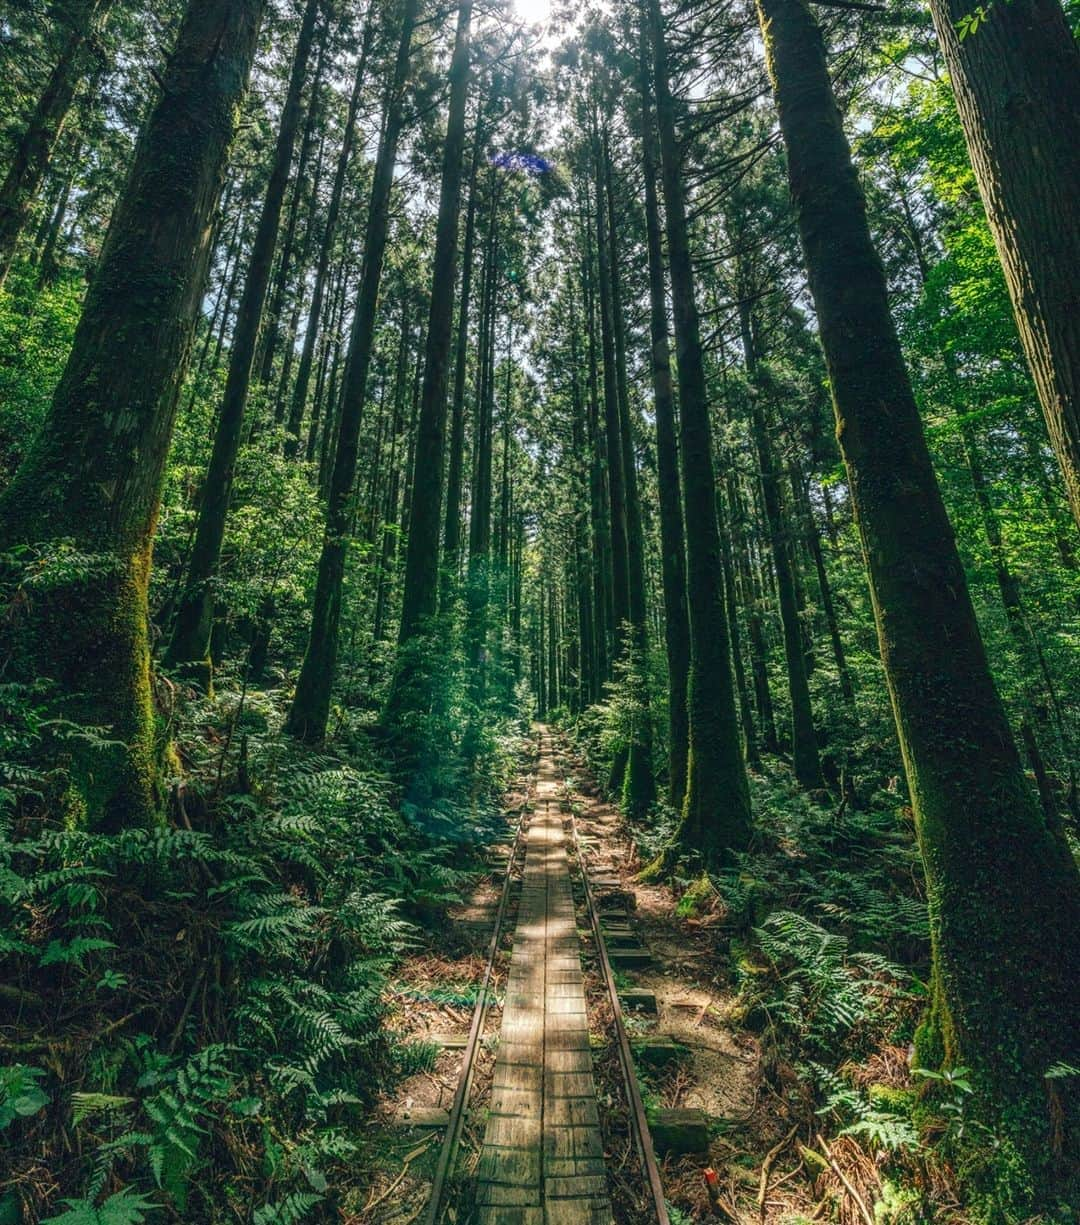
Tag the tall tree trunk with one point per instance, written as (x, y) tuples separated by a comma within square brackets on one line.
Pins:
[(716, 811), (421, 590), (325, 408), (311, 703), (828, 605), (190, 641), (616, 476), (30, 158), (314, 124), (94, 475), (1016, 80), (755, 630), (1004, 892), (580, 511), (804, 750), (479, 576), (299, 289), (638, 784), (602, 598), (455, 474), (750, 740), (1027, 644), (337, 192), (672, 541), (47, 264)]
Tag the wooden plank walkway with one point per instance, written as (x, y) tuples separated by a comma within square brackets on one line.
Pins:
[(543, 1159)]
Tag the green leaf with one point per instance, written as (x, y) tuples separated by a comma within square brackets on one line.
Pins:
[(20, 1095), (61, 952)]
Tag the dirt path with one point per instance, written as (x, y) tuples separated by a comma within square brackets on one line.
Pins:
[(542, 1159)]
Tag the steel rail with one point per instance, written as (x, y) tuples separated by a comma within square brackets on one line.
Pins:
[(639, 1121), (461, 1096)]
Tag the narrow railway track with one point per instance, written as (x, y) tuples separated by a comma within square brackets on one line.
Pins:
[(545, 1180)]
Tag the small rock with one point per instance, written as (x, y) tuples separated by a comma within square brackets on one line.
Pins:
[(680, 1131)]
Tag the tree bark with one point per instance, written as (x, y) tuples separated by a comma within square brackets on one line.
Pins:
[(455, 474), (672, 540), (616, 477), (638, 783), (1004, 892), (421, 591), (1016, 80), (716, 811)]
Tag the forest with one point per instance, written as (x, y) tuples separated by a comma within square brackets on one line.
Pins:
[(539, 612)]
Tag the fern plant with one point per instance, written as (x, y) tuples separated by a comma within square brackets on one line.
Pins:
[(884, 1131), (125, 1207), (179, 1112), (824, 990)]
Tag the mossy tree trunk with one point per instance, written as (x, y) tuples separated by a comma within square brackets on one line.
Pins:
[(1004, 893), (1016, 80), (310, 707), (716, 810), (190, 640), (93, 476)]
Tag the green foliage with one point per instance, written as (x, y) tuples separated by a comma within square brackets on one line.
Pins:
[(126, 1207), (179, 1111), (20, 1094), (289, 1211), (303, 886), (824, 991), (973, 20), (35, 336), (886, 1131)]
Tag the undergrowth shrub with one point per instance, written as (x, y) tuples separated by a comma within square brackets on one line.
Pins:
[(214, 986)]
